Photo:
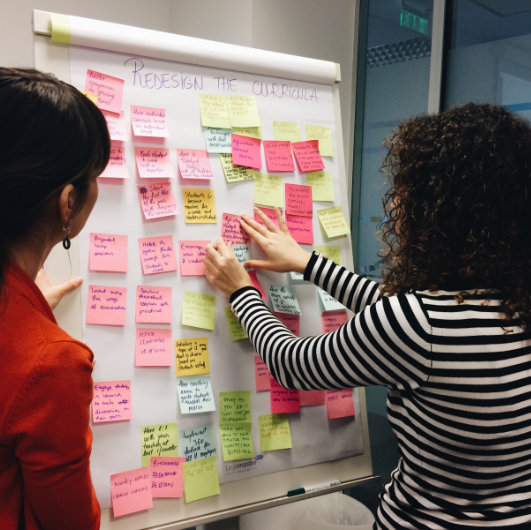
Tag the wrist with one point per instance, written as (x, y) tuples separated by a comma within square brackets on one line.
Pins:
[(301, 262)]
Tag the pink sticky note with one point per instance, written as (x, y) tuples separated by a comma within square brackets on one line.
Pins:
[(307, 155), (153, 305), (339, 403), (299, 200), (232, 231), (292, 322), (194, 164), (166, 473), (107, 253), (153, 163), (301, 228), (157, 254), (116, 125), (191, 254), (112, 401), (149, 121), (157, 200), (331, 320), (246, 151), (153, 347), (106, 305), (278, 156), (131, 491), (117, 167), (109, 90), (256, 283), (261, 375), (312, 398), (282, 399), (268, 212)]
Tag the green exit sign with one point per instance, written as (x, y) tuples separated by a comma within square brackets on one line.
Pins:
[(414, 22)]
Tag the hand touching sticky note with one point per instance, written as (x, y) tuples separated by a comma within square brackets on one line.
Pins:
[(112, 401), (232, 231), (191, 357), (158, 440), (157, 254), (149, 121), (194, 164), (153, 305), (153, 163), (199, 310)]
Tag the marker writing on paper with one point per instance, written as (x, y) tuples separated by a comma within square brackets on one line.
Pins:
[(316, 487)]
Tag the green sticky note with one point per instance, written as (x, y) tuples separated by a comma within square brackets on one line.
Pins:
[(324, 135), (235, 328), (243, 111), (199, 310), (268, 190), (234, 173), (274, 432), (200, 479), (286, 131), (332, 252), (236, 442), (333, 221), (235, 407), (61, 29), (159, 440), (329, 302), (214, 112), (322, 187)]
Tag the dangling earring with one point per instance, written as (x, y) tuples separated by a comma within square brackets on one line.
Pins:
[(66, 241)]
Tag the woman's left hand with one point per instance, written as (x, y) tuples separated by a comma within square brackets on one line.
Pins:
[(223, 270)]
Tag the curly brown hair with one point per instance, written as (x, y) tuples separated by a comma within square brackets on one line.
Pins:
[(458, 211)]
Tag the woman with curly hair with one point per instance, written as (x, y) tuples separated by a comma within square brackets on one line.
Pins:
[(448, 331)]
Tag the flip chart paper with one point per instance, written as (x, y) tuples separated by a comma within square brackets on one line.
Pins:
[(331, 320), (191, 255), (235, 407), (194, 164), (92, 97), (153, 163), (274, 432), (339, 403), (153, 347), (200, 479), (149, 121), (292, 322), (301, 228), (109, 90), (270, 213), (307, 155), (256, 284), (332, 252), (246, 151), (197, 442), (299, 200), (234, 173), (191, 357), (131, 491), (312, 398), (115, 124), (117, 167), (286, 131), (235, 328), (214, 112), (106, 305), (199, 206), (324, 136), (195, 394), (61, 29), (157, 254), (242, 252), (252, 132), (166, 474), (243, 111), (322, 187), (333, 221), (232, 231), (278, 156), (236, 442), (112, 401), (283, 400), (158, 440), (261, 375), (329, 302), (108, 253), (153, 305), (199, 310), (218, 140), (157, 200), (268, 190), (284, 299)]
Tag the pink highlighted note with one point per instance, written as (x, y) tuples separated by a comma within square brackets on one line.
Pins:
[(261, 375), (299, 200), (339, 403), (157, 200), (270, 213), (149, 121), (191, 254), (194, 164), (166, 473), (153, 347), (131, 491), (112, 401), (283, 400), (301, 228), (106, 305), (107, 253), (256, 283), (153, 163), (246, 151), (157, 254), (116, 125), (307, 155), (312, 398), (117, 167), (278, 156), (292, 322), (153, 305), (109, 90), (232, 231), (331, 320)]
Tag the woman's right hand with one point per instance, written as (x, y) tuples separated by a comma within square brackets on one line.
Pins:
[(284, 254)]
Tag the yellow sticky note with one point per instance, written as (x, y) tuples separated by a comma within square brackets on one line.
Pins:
[(324, 135), (236, 442), (235, 407), (199, 310), (333, 221), (332, 252), (234, 173), (200, 479), (214, 112), (322, 187), (235, 328), (274, 432), (191, 357), (92, 97), (199, 206), (61, 29), (253, 132), (159, 440), (243, 111), (284, 131), (268, 190)]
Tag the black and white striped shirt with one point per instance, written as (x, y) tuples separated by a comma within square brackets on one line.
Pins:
[(459, 393)]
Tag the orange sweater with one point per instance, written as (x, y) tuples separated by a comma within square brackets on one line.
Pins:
[(45, 438)]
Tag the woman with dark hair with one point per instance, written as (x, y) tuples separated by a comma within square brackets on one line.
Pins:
[(54, 142), (448, 331)]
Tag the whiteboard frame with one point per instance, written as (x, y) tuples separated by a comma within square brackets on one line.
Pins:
[(239, 497)]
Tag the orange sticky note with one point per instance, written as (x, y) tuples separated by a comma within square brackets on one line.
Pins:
[(166, 473), (106, 305), (153, 347), (256, 283), (299, 200), (246, 151), (194, 164), (307, 155), (116, 125), (232, 231), (131, 491), (153, 163), (261, 375), (107, 253), (292, 322), (283, 400), (157, 254), (117, 167), (109, 90), (153, 305), (339, 403), (278, 156), (331, 320), (301, 228), (149, 121), (191, 255), (112, 401), (312, 398), (270, 213), (157, 200)]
